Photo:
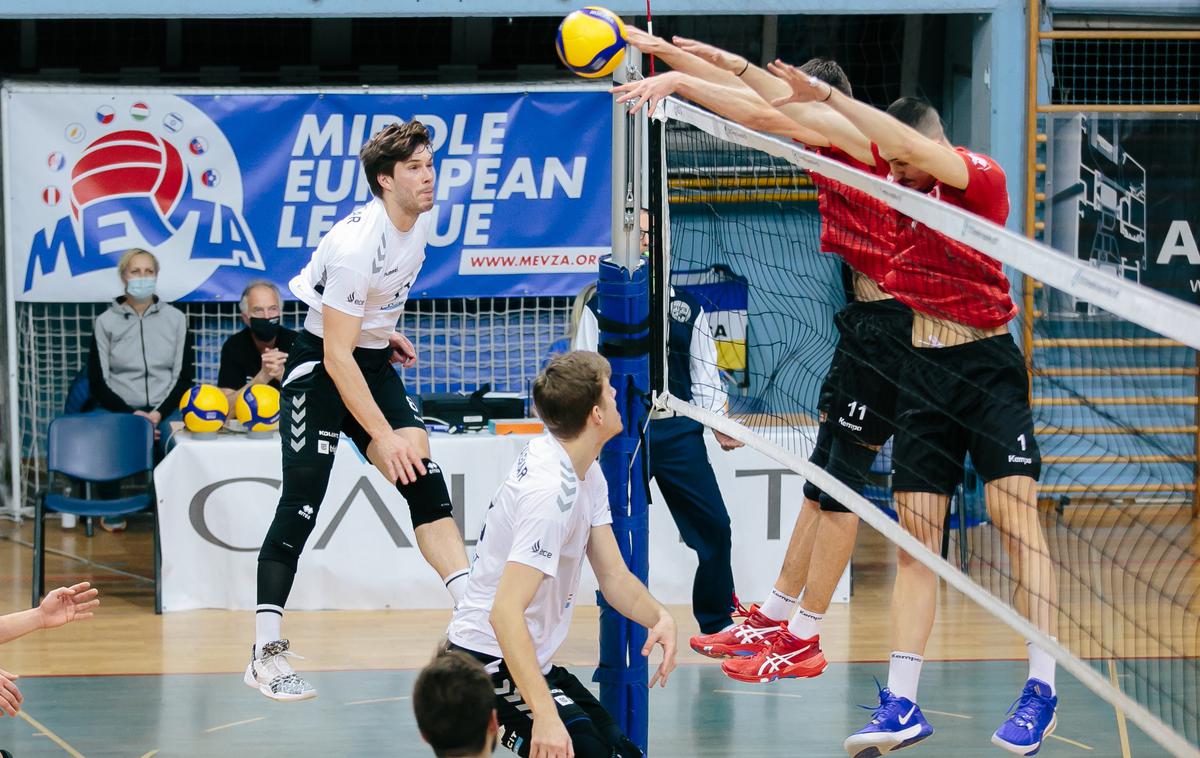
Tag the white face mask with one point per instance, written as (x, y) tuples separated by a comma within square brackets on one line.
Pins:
[(141, 289)]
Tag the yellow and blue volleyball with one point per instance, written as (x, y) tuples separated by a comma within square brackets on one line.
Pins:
[(591, 42), (204, 408), (257, 408)]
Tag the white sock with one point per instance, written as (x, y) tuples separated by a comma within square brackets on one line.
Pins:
[(904, 674), (778, 606), (806, 624), (267, 621), (1041, 665), (456, 585)]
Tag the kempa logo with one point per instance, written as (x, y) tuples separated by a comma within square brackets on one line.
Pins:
[(537, 550), (153, 172), (1020, 459)]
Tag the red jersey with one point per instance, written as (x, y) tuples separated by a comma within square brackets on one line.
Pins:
[(855, 225), (946, 278)]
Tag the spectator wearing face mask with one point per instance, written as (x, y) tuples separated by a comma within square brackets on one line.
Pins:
[(257, 353), (141, 360)]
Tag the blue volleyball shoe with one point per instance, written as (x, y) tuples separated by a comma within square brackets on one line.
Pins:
[(897, 723), (1031, 720)]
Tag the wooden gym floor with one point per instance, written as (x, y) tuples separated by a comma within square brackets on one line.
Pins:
[(130, 683)]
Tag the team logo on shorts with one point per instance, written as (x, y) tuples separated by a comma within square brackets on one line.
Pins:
[(680, 311)]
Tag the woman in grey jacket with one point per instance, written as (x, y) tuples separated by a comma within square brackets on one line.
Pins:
[(141, 360)]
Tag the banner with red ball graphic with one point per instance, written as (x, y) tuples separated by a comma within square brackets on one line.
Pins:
[(227, 187)]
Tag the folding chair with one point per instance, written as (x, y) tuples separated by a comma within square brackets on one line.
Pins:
[(96, 448)]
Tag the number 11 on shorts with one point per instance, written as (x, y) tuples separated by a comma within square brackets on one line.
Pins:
[(855, 406)]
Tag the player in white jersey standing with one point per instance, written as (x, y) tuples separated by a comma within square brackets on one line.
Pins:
[(549, 513), (339, 378)]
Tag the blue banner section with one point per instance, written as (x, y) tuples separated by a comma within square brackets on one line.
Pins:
[(227, 188)]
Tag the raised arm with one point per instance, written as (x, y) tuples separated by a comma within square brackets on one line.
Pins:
[(630, 598), (896, 141)]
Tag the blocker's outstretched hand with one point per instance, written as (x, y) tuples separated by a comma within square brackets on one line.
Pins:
[(723, 59), (646, 42), (651, 90), (67, 604), (805, 88)]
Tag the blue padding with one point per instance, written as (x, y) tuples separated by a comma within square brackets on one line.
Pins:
[(631, 675), (81, 507)]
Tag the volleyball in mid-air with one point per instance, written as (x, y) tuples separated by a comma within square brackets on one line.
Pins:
[(591, 42), (204, 409), (258, 408)]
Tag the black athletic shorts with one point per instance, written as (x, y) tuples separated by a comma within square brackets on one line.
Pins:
[(970, 398), (311, 410), (874, 345), (581, 713)]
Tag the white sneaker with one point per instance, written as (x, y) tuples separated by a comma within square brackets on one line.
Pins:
[(271, 674)]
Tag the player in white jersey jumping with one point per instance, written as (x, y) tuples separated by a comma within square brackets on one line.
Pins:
[(339, 378), (551, 511)]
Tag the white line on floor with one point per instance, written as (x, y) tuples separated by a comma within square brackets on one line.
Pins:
[(760, 694), (235, 723), (379, 700)]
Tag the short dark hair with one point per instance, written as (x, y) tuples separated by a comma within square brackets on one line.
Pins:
[(828, 71), (454, 699), (391, 145), (565, 392), (918, 114)]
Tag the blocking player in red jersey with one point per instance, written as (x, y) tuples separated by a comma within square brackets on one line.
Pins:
[(858, 396), (964, 391)]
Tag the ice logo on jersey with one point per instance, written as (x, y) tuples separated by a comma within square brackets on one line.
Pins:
[(537, 550), (151, 172)]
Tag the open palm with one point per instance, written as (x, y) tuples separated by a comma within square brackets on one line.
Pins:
[(67, 604)]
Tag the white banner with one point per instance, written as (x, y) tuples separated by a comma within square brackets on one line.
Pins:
[(216, 499)]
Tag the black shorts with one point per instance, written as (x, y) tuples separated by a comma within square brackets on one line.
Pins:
[(874, 345), (970, 398), (312, 412), (581, 713)]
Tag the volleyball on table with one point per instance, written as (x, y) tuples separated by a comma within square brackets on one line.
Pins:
[(591, 42), (257, 408), (204, 408)]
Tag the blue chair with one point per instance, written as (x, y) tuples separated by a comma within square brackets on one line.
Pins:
[(93, 449)]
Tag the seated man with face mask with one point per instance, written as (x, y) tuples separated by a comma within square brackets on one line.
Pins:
[(256, 354)]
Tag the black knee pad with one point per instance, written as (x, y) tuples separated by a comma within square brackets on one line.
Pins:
[(428, 499), (296, 515), (849, 462)]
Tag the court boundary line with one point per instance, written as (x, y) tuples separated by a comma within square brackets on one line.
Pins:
[(53, 737)]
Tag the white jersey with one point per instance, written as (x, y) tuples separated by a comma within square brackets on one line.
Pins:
[(364, 266), (541, 516)]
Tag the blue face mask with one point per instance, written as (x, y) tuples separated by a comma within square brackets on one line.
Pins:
[(141, 289)]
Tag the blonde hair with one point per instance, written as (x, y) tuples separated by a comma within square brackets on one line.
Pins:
[(578, 307), (127, 259)]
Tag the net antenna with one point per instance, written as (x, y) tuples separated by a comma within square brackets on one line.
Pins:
[(1142, 621), (622, 300)]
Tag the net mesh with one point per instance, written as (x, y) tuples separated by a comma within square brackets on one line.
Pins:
[(1107, 563), (462, 344), (1125, 71)]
